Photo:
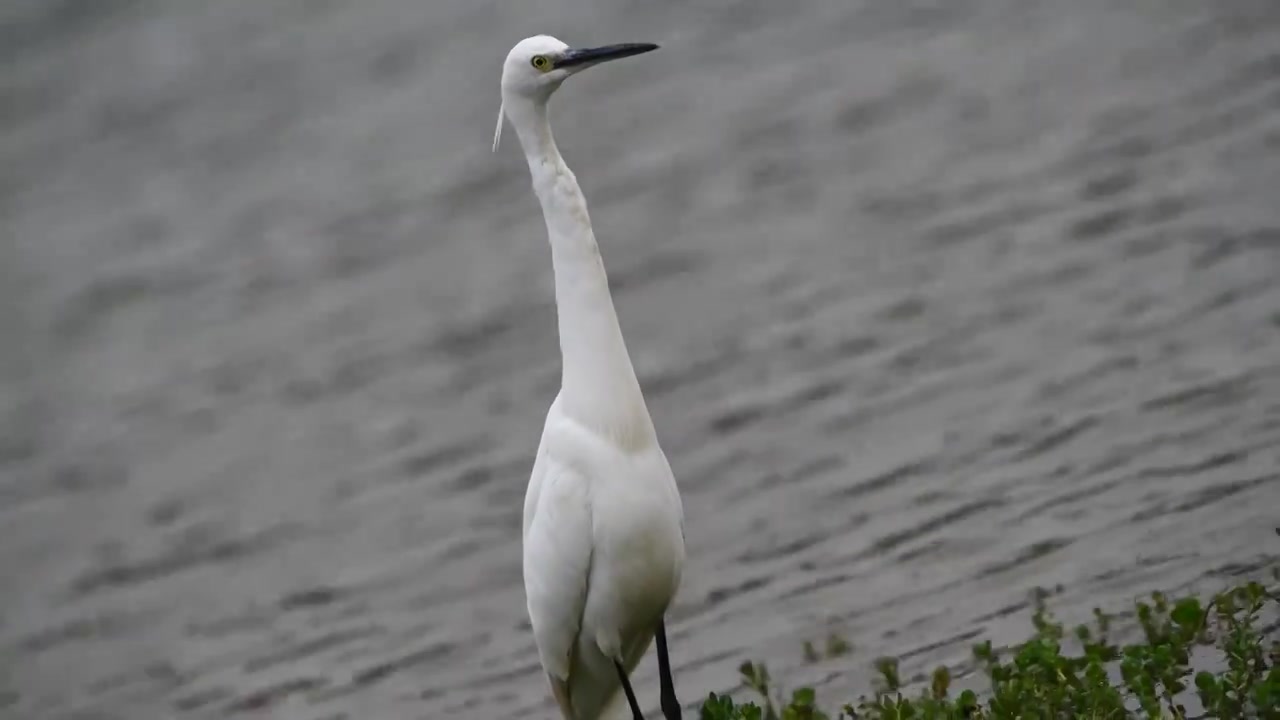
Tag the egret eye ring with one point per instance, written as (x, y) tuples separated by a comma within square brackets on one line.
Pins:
[(541, 62)]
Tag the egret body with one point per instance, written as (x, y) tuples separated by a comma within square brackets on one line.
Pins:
[(603, 528)]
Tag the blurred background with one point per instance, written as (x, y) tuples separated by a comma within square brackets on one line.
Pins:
[(934, 302)]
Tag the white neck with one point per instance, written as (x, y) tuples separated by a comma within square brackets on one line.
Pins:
[(598, 384)]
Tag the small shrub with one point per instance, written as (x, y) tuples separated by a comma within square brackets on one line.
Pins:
[(1150, 678)]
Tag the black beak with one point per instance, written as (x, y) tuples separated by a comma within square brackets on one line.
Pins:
[(591, 56)]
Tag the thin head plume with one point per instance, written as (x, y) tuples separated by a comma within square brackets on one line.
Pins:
[(497, 132)]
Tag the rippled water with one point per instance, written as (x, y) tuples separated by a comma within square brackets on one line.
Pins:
[(934, 302)]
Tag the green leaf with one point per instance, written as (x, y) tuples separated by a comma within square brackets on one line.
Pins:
[(1187, 613), (1206, 680)]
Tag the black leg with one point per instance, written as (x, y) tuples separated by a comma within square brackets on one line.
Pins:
[(631, 694), (670, 705)]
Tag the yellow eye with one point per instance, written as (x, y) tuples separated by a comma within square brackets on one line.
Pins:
[(541, 62)]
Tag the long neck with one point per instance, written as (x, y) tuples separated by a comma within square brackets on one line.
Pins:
[(598, 384)]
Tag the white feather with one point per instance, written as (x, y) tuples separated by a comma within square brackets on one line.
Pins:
[(497, 132)]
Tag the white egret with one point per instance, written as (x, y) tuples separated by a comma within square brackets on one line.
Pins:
[(603, 522)]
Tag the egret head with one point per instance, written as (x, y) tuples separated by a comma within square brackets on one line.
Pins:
[(537, 65)]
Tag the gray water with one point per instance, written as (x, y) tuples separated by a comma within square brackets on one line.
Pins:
[(933, 302)]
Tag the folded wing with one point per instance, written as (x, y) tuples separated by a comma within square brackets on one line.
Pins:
[(557, 566)]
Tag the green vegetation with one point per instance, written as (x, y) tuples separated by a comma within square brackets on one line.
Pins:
[(1150, 678)]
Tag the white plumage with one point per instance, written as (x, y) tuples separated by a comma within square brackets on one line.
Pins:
[(603, 520)]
